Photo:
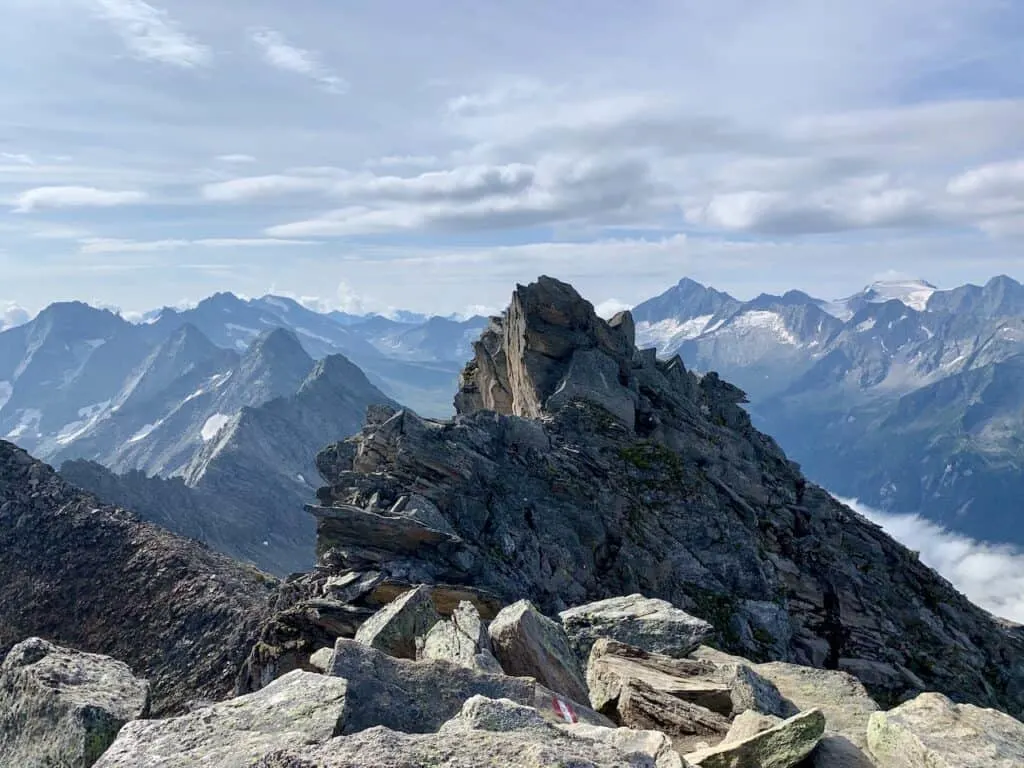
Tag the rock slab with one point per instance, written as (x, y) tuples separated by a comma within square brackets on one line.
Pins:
[(653, 625), (528, 643), (60, 707), (931, 731), (781, 746), (462, 640), (297, 709), (395, 628)]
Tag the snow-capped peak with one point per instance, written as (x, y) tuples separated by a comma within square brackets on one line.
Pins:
[(912, 293)]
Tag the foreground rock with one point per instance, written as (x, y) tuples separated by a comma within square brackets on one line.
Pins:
[(60, 707), (652, 625), (725, 688), (781, 746), (485, 732), (93, 577), (462, 640), (298, 709), (580, 468), (527, 643), (396, 628), (933, 732)]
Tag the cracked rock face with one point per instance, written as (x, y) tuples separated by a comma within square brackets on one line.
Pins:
[(565, 500)]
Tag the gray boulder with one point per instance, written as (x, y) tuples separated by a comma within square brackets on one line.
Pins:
[(420, 696), (781, 746), (526, 642), (747, 724), (653, 743), (297, 709), (395, 628), (60, 707), (650, 624), (462, 640), (931, 731), (484, 732)]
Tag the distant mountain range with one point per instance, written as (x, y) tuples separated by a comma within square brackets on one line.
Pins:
[(904, 396), (208, 420)]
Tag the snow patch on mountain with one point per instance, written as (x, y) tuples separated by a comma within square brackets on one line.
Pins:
[(912, 293), (213, 425), (670, 333), (145, 432), (29, 420), (6, 390), (87, 419), (762, 320)]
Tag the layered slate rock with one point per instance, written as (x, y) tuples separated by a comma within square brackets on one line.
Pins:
[(298, 709), (485, 732), (580, 468), (419, 696), (932, 732), (781, 746), (61, 707), (462, 640), (649, 624), (528, 643), (93, 577), (396, 629)]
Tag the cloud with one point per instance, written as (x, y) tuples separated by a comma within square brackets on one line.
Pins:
[(994, 179), (412, 161), (610, 307), (17, 157), (74, 197), (111, 245), (11, 315), (991, 575), (478, 198), (236, 158), (279, 53), (150, 33), (253, 187)]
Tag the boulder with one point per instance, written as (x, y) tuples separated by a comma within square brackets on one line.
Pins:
[(485, 732), (782, 746), (295, 710), (321, 660), (526, 642), (462, 640), (642, 707), (652, 625), (747, 724), (419, 696), (395, 628), (653, 743), (727, 689), (931, 731), (60, 707)]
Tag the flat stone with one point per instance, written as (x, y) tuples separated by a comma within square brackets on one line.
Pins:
[(650, 624), (298, 709), (396, 628), (781, 746), (60, 707)]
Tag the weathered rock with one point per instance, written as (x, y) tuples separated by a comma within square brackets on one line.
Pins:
[(321, 660), (747, 724), (419, 696), (528, 643), (650, 624), (781, 746), (932, 732), (462, 640), (92, 577), (642, 707), (725, 688), (563, 503), (485, 732), (295, 710), (396, 628), (653, 743), (60, 707)]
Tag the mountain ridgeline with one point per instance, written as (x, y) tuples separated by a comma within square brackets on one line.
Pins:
[(903, 396)]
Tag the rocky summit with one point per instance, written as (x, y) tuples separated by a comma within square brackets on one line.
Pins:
[(597, 562), (581, 468)]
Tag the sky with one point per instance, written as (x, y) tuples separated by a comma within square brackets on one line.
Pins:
[(429, 156)]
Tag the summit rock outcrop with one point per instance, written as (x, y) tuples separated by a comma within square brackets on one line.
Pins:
[(580, 468)]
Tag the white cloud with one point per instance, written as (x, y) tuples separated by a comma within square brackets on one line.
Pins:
[(150, 33), (994, 179), (279, 53), (17, 157), (74, 197), (411, 161), (253, 187), (111, 245), (236, 158), (991, 575), (11, 315), (610, 307)]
